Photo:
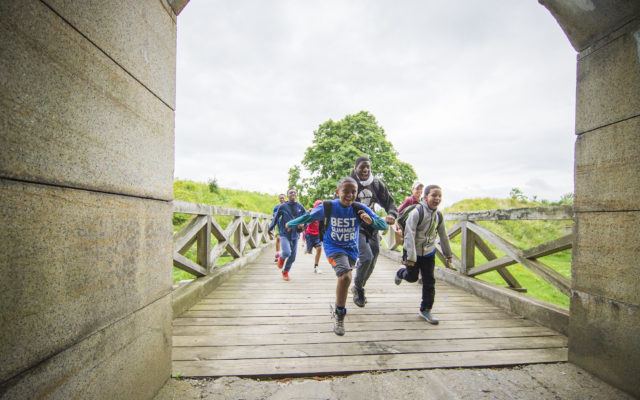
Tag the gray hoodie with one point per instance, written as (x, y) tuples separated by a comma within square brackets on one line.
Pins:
[(420, 240)]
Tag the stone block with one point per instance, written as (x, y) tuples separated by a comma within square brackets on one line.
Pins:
[(72, 116), (587, 21), (139, 35), (608, 87), (74, 262), (605, 179), (606, 257), (604, 340), (129, 359)]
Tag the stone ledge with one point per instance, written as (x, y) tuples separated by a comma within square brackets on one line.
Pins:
[(188, 295), (546, 314)]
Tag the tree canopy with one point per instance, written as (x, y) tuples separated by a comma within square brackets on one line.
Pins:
[(336, 145)]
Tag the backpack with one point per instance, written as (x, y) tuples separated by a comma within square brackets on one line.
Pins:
[(404, 215), (324, 223)]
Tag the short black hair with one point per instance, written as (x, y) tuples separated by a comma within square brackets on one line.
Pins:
[(361, 159), (427, 189), (347, 179)]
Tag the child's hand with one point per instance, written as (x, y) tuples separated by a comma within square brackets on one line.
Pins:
[(365, 217)]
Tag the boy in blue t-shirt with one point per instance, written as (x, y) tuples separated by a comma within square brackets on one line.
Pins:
[(340, 239)]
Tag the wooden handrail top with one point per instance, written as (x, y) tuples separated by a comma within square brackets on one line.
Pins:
[(564, 212), (185, 207)]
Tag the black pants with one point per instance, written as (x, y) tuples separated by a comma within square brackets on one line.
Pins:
[(424, 265)]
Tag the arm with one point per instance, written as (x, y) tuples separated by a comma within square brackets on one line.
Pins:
[(303, 219), (274, 221), (387, 202), (444, 242), (315, 215), (376, 222), (410, 230)]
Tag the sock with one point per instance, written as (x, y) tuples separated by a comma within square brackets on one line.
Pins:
[(315, 265), (341, 309)]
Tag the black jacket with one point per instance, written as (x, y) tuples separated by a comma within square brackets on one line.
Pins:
[(374, 193)]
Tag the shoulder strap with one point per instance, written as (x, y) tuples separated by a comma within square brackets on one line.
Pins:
[(357, 207), (420, 213), (440, 218)]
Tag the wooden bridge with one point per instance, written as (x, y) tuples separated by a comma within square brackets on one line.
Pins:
[(257, 324)]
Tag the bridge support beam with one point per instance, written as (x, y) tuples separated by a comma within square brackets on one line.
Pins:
[(87, 93), (605, 304)]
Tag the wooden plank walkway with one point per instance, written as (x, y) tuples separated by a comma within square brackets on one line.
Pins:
[(256, 324)]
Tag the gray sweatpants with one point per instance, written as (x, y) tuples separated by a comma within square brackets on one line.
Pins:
[(369, 248)]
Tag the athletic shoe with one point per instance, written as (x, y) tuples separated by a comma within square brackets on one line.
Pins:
[(280, 262), (426, 314), (285, 275), (317, 270), (277, 257), (396, 279), (420, 281), (338, 324), (358, 296)]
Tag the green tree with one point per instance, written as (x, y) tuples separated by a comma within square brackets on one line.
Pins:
[(336, 145)]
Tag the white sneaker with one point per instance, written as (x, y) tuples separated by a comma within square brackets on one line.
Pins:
[(317, 270)]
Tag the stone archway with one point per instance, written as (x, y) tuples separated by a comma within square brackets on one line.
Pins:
[(605, 303), (87, 95)]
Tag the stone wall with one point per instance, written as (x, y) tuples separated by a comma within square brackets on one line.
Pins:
[(87, 91), (604, 322)]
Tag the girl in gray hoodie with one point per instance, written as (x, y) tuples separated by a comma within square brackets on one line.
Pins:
[(423, 224)]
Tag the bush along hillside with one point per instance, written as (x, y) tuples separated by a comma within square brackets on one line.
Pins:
[(209, 193), (524, 235)]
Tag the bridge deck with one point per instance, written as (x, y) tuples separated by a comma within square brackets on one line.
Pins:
[(256, 324)]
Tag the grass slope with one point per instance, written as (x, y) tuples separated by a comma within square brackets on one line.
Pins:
[(523, 234)]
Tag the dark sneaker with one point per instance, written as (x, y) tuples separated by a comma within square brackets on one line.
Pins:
[(338, 323), (358, 296), (396, 279), (426, 314)]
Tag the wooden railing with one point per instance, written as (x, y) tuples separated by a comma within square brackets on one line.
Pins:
[(238, 236), (476, 236)]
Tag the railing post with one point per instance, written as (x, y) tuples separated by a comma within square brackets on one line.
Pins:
[(467, 256), (203, 244)]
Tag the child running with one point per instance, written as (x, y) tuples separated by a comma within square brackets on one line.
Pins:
[(313, 239), (340, 239), (288, 237), (419, 253), (281, 198)]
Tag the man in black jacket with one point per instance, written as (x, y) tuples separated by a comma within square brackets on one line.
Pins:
[(370, 191)]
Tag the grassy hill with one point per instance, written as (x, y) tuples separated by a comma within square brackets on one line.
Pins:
[(523, 234)]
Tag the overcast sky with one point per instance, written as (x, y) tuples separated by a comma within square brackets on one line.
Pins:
[(479, 96)]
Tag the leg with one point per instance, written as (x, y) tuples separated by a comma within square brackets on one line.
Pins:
[(426, 266), (285, 246), (342, 288), (292, 256), (318, 253), (365, 261)]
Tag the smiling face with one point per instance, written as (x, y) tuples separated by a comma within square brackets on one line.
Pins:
[(347, 193), (363, 170), (417, 191), (282, 198), (292, 195), (433, 198)]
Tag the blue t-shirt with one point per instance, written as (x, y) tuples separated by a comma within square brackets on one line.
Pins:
[(341, 236)]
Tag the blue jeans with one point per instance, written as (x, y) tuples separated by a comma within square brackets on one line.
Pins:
[(288, 250)]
